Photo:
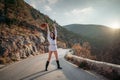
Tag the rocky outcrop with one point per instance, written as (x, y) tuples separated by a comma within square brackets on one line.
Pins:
[(19, 46)]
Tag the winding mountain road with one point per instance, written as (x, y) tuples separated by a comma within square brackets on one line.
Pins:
[(32, 68)]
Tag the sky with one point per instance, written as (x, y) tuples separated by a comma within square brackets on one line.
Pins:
[(65, 12)]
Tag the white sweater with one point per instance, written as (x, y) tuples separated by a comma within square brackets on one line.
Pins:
[(51, 41)]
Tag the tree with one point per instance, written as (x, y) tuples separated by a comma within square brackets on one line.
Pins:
[(83, 51)]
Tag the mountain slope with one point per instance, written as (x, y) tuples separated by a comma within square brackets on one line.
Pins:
[(20, 32), (105, 41), (97, 35)]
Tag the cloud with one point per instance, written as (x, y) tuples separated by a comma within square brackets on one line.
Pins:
[(52, 1), (83, 11), (80, 15), (47, 8), (41, 1), (33, 5), (87, 10)]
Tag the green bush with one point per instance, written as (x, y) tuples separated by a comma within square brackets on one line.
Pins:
[(10, 1), (83, 65)]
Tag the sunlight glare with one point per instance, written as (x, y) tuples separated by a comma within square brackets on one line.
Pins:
[(115, 25)]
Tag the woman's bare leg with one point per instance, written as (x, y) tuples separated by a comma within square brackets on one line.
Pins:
[(57, 61), (56, 55), (49, 55)]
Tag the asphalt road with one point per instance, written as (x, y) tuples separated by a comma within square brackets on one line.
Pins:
[(32, 68)]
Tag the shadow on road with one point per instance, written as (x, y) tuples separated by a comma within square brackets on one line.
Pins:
[(69, 72), (37, 74), (72, 72)]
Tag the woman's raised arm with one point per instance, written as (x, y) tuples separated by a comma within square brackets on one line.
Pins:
[(55, 30), (48, 31)]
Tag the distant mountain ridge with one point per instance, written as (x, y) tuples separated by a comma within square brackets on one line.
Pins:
[(93, 33), (89, 29)]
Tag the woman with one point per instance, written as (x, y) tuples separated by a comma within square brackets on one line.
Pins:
[(52, 36)]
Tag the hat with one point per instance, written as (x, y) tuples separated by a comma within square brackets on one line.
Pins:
[(43, 25)]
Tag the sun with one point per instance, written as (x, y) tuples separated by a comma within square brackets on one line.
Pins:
[(115, 25)]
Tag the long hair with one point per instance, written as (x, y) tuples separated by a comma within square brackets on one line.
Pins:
[(53, 36)]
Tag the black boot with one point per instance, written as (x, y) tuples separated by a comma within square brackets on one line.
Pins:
[(58, 65), (46, 66)]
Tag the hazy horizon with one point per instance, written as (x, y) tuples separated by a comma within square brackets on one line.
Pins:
[(101, 12)]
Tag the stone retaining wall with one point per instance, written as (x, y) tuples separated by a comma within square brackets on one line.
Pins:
[(111, 71)]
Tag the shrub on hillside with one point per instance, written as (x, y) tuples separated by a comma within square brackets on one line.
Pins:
[(83, 51)]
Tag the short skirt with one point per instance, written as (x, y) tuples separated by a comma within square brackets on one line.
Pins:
[(52, 47)]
